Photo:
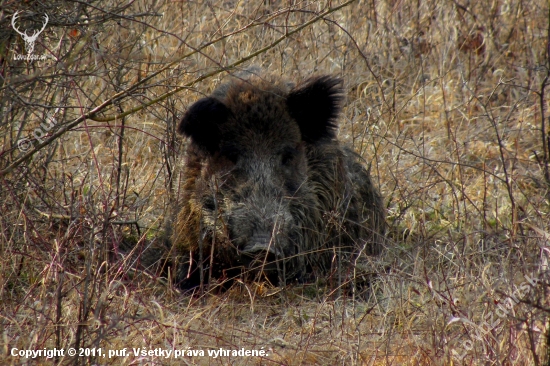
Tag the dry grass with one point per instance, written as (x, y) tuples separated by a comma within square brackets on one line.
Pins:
[(444, 99)]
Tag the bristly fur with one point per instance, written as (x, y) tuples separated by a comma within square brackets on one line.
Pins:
[(264, 169)]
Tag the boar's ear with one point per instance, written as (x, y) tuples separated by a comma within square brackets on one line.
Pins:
[(315, 106), (202, 121)]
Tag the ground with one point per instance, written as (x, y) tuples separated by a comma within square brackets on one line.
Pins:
[(446, 101)]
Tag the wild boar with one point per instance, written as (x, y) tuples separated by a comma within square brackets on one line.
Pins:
[(268, 189)]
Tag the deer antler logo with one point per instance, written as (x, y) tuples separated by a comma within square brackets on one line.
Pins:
[(29, 40)]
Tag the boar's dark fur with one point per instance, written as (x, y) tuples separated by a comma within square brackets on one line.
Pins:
[(268, 189)]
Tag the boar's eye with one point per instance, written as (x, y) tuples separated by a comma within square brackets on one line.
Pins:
[(287, 155), (208, 203)]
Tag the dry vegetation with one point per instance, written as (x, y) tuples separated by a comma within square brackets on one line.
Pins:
[(446, 100)]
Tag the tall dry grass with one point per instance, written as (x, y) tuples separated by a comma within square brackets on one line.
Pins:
[(446, 100)]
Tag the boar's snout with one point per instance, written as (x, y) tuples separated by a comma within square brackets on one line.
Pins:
[(262, 225), (259, 242)]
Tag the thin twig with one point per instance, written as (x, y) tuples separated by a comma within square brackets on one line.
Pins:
[(92, 114)]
